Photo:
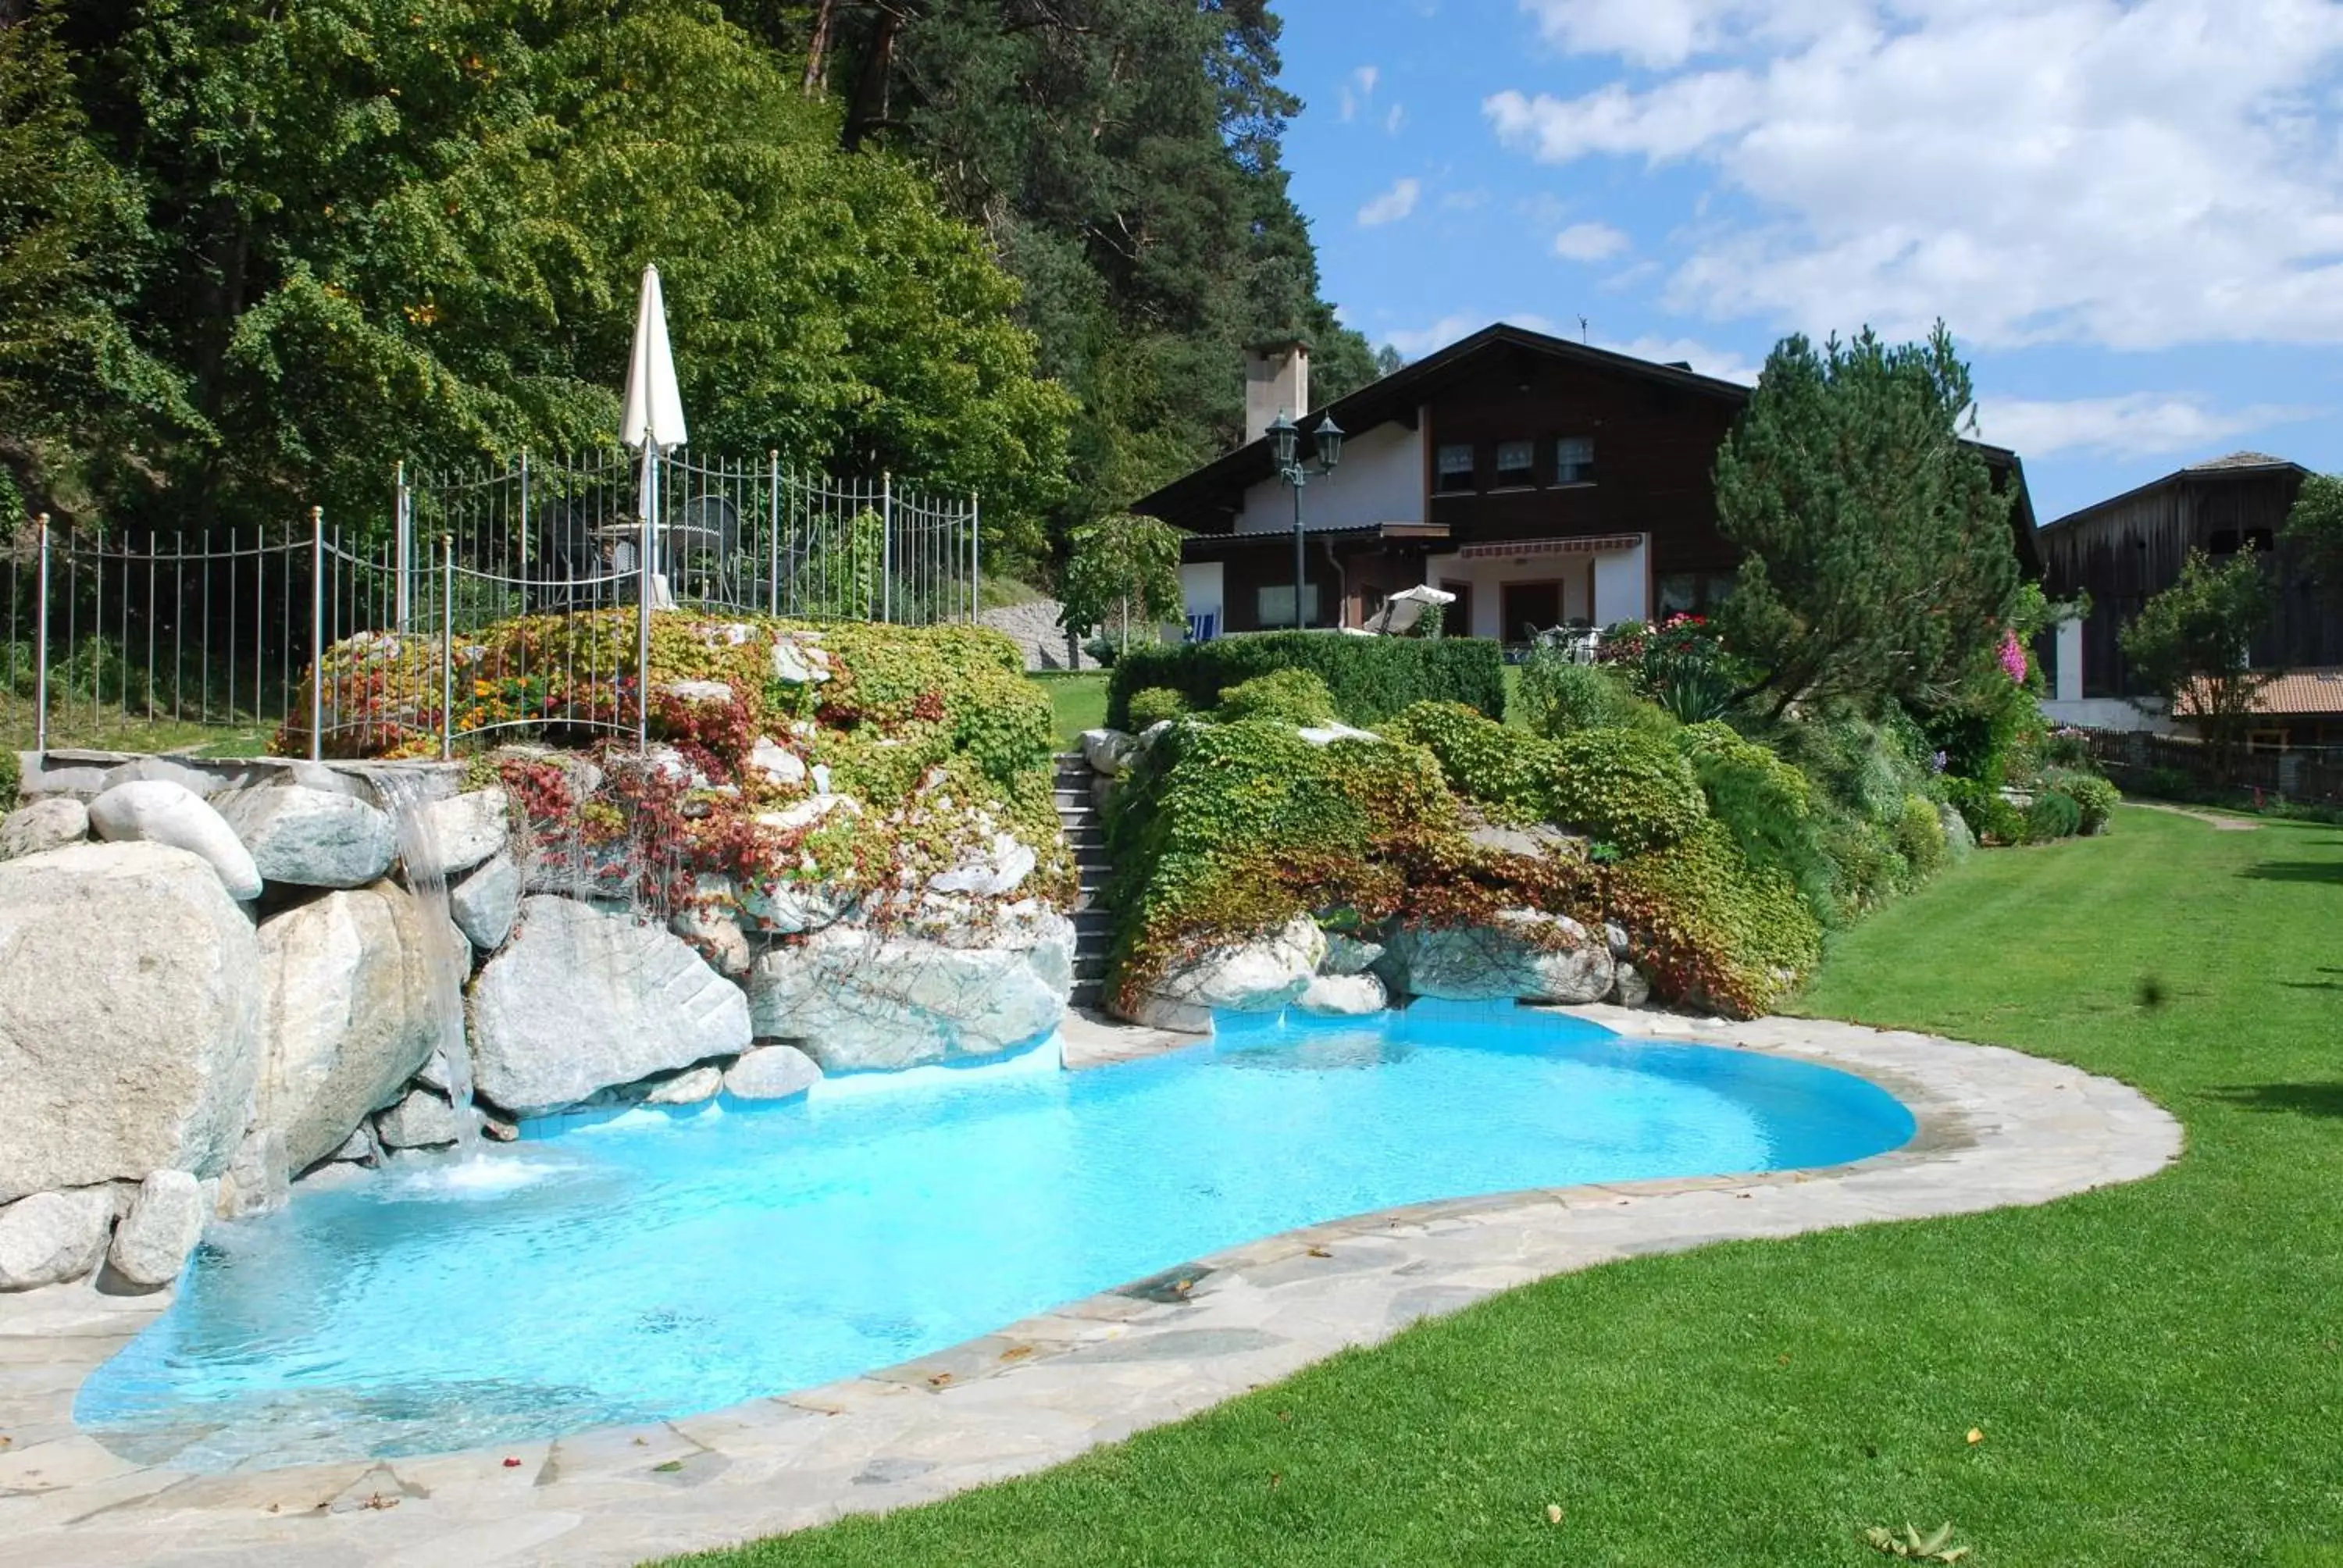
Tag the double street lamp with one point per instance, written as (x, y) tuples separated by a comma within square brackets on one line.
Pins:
[(1286, 446)]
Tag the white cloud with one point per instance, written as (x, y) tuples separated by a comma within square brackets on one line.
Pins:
[(1394, 204), (1589, 242), (2131, 173), (2140, 425)]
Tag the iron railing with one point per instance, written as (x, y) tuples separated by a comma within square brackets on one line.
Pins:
[(114, 639)]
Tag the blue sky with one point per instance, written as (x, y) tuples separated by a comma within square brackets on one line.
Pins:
[(2130, 212)]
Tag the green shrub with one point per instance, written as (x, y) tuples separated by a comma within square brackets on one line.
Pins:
[(1370, 678), (1712, 930), (1481, 760), (1625, 789), (1920, 837), (2054, 814), (2093, 796), (1153, 706), (1766, 805), (1990, 818), (1558, 697), (1288, 696)]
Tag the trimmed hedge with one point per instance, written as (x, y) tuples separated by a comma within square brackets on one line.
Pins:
[(1369, 677)]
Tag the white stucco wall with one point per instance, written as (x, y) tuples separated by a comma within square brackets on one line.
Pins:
[(1379, 480), (1201, 584)]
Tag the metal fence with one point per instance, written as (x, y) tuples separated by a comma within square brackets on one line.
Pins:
[(126, 641)]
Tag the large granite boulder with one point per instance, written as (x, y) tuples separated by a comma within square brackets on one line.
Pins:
[(771, 1072), (580, 1000), (130, 1017), (466, 829), (938, 989), (486, 901), (1525, 955), (165, 1221), (353, 1010), (157, 811), (1262, 975), (51, 1237), (51, 822), (311, 837)]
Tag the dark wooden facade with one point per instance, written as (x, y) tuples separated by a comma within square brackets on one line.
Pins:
[(1655, 430), (2123, 550)]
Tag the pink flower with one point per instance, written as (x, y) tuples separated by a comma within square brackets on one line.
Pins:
[(2013, 656)]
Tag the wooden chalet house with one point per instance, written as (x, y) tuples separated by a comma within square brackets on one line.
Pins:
[(1542, 482)]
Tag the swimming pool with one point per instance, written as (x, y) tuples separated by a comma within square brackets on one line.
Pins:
[(662, 1264)]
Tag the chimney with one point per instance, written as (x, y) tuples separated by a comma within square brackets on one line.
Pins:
[(1277, 377)]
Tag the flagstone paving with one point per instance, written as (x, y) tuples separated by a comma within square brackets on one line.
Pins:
[(1996, 1128)]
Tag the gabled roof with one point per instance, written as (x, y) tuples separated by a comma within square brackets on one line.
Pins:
[(2235, 465), (1193, 501)]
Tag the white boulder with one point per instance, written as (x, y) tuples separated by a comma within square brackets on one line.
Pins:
[(51, 1237), (1109, 751), (581, 1001), (157, 811), (694, 1086), (992, 871), (1264, 975), (466, 829), (130, 1017), (1524, 954), (771, 1072), (352, 1013), (165, 1220), (486, 901), (857, 1000), (421, 1119), (51, 822), (1343, 996), (310, 837), (776, 762)]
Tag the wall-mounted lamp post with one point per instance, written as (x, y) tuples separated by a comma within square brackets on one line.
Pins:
[(1284, 444)]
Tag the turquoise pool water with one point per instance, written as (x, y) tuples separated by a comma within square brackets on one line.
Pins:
[(662, 1264)]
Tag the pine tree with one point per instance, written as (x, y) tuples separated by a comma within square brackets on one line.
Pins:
[(1877, 556)]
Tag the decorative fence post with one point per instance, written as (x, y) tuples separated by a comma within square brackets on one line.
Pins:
[(447, 646), (317, 632), (41, 644), (402, 586)]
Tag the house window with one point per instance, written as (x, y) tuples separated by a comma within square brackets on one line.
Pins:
[(1452, 474), (1574, 460), (1276, 605), (1517, 465)]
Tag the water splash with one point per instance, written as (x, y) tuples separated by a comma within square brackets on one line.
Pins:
[(446, 955)]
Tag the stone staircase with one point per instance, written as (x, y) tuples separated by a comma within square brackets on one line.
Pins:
[(1085, 829)]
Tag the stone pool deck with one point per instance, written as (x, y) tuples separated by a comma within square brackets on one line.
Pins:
[(1997, 1128)]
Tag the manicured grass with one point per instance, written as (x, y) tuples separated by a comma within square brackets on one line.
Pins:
[(2157, 1368), (1080, 699)]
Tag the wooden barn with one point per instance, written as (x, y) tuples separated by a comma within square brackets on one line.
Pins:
[(2122, 550)]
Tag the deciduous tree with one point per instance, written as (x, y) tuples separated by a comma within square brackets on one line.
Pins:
[(2192, 644)]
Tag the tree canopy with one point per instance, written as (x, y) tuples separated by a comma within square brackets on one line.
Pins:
[(1877, 555), (250, 257), (2191, 644)]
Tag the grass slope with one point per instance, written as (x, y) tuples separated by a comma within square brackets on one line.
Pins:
[(2158, 1369)]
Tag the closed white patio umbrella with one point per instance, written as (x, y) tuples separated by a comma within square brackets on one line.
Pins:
[(652, 422)]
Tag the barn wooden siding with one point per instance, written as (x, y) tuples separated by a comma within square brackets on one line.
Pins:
[(2122, 551)]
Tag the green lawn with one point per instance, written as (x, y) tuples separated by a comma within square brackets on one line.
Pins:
[(1079, 701), (2158, 1369)]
